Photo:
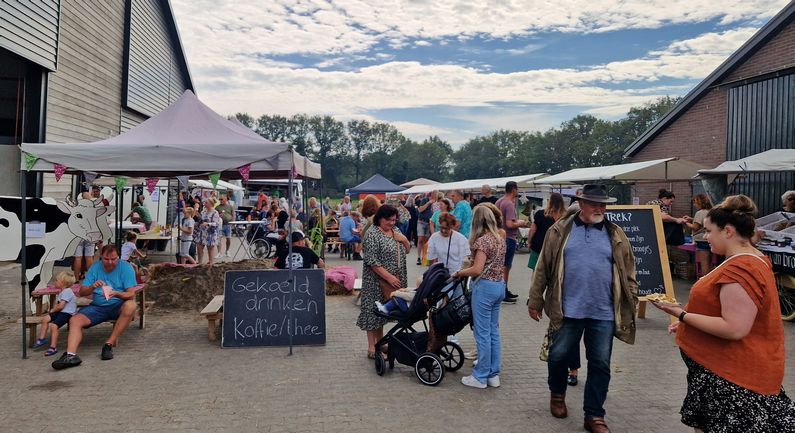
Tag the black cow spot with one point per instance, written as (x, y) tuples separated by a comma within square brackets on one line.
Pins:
[(37, 210), (34, 255), (4, 222), (33, 283)]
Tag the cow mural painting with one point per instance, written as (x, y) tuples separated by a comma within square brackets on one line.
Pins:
[(66, 223)]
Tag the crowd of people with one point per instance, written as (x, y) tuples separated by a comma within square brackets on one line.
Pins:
[(729, 333)]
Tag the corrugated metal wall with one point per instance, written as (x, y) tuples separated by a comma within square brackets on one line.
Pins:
[(761, 116), (155, 77), (30, 29)]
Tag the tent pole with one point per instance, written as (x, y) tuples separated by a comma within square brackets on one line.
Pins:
[(322, 220), (289, 239), (23, 192)]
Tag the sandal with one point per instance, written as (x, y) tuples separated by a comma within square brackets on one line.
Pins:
[(370, 355), (572, 380), (40, 343), (51, 351)]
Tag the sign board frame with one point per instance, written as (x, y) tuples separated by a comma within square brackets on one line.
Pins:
[(661, 247), (291, 316)]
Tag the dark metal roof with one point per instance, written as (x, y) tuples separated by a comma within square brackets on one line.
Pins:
[(781, 20)]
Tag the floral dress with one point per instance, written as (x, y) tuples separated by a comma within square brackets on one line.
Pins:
[(208, 235), (382, 250)]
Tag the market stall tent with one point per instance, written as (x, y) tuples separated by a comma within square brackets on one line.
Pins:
[(187, 138), (771, 160), (523, 181), (376, 184), (667, 169), (419, 181)]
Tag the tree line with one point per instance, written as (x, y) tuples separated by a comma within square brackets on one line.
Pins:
[(352, 151)]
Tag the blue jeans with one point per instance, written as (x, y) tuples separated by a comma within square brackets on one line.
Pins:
[(486, 298), (598, 348)]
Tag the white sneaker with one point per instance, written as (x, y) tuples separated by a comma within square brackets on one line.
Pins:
[(472, 354), (471, 381), (218, 256), (452, 339), (381, 307), (493, 382), (228, 255)]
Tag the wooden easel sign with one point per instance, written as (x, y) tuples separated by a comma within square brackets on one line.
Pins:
[(644, 228)]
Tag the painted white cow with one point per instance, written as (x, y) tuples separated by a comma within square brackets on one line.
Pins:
[(66, 224)]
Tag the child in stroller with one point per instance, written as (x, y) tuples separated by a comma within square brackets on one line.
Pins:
[(427, 351)]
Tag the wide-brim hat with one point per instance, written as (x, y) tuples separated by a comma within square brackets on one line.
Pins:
[(596, 194)]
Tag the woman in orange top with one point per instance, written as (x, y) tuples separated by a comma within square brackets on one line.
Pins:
[(730, 334)]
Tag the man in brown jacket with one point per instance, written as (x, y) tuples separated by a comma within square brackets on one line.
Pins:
[(585, 281)]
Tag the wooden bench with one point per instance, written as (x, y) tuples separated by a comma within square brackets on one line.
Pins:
[(32, 322), (212, 312)]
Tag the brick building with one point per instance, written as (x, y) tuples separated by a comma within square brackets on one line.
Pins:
[(745, 106)]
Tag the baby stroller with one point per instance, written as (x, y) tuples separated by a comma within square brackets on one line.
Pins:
[(428, 352)]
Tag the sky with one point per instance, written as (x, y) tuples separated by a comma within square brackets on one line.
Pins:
[(457, 69)]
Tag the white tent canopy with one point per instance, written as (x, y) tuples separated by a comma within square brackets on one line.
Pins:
[(187, 138), (221, 185), (666, 169), (419, 181), (524, 181), (771, 160)]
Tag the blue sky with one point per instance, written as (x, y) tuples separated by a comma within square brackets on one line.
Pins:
[(457, 69)]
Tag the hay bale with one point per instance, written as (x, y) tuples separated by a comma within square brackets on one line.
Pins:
[(184, 288), (334, 288)]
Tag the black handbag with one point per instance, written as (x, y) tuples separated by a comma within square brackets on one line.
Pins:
[(454, 316)]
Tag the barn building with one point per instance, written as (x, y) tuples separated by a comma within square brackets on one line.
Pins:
[(80, 71), (745, 106)]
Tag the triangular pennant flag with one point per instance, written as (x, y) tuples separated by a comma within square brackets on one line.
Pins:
[(214, 177), (89, 176), (121, 182), (30, 161), (59, 171), (151, 183), (183, 180), (245, 171)]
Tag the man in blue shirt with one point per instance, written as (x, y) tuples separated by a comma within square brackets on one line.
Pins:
[(349, 233), (117, 304), (462, 212)]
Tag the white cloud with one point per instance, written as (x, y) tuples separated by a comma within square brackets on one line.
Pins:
[(228, 44), (351, 26)]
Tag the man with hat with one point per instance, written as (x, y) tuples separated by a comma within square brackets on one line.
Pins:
[(302, 257), (585, 282)]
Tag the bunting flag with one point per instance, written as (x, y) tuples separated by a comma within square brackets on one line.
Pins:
[(121, 182), (245, 171), (214, 177), (183, 180), (30, 161), (59, 171), (89, 176), (151, 183)]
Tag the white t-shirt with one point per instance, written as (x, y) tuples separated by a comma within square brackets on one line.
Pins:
[(127, 249), (459, 249), (187, 223)]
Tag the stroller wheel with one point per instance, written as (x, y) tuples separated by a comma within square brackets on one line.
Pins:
[(380, 364), (452, 356), (260, 248), (429, 369)]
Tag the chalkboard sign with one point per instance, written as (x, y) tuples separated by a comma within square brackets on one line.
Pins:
[(643, 227), (257, 306)]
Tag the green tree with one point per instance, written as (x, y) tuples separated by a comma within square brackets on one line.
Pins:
[(273, 127), (245, 119), (385, 140), (299, 131), (360, 134)]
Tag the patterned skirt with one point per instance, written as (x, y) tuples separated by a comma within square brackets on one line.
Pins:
[(716, 405)]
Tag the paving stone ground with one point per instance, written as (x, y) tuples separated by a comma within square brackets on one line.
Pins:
[(168, 377)]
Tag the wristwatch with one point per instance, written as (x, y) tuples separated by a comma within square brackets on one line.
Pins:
[(682, 316)]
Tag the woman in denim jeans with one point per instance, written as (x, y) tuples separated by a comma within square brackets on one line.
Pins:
[(488, 291)]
